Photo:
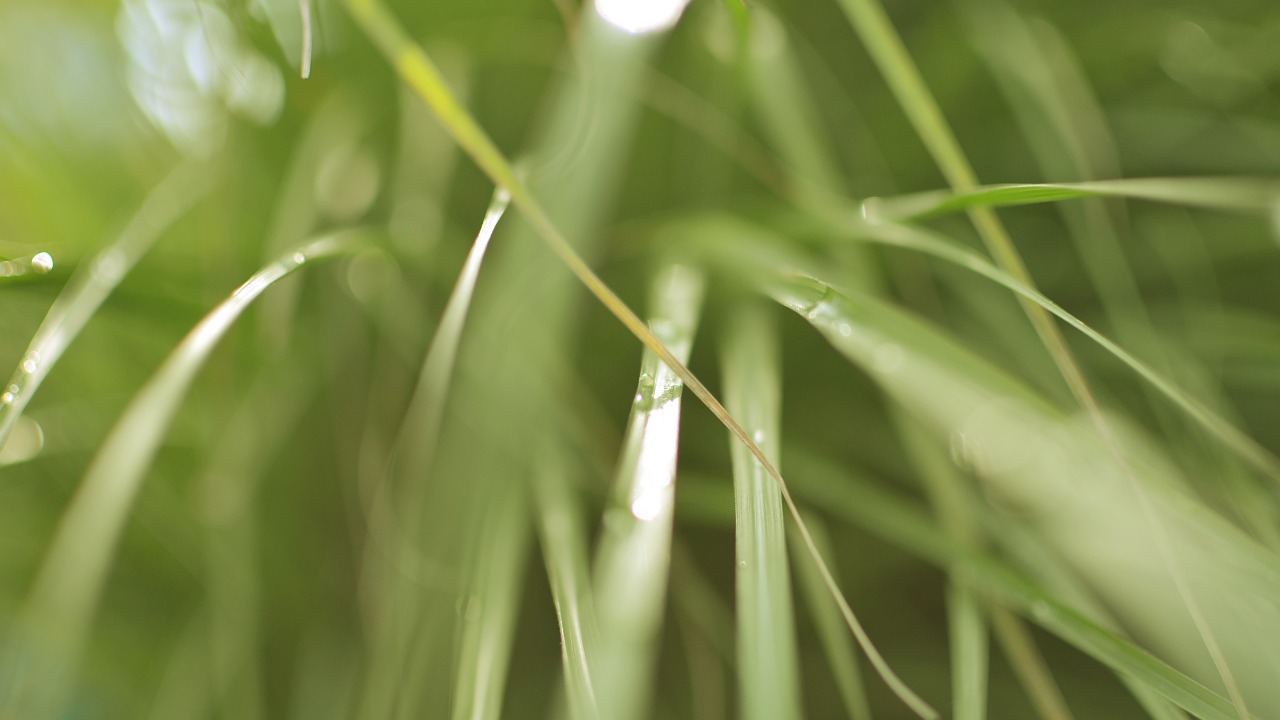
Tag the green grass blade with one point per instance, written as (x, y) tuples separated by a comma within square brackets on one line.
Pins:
[(996, 420), (271, 409), (823, 484), (1029, 665), (420, 433), (891, 57), (1235, 439), (95, 280), (1250, 195), (633, 560), (836, 643), (417, 70), (786, 108), (59, 610), (489, 619), (395, 527), (966, 619), (767, 665), (564, 547)]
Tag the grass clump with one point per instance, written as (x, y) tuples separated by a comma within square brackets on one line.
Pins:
[(408, 482)]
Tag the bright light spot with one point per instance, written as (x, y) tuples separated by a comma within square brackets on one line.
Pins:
[(188, 66), (641, 16), (649, 506), (42, 262)]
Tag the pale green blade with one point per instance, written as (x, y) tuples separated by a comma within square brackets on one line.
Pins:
[(944, 248), (1029, 665), (1252, 195), (966, 619), (767, 665), (489, 611), (836, 643), (269, 412), (419, 72), (896, 65), (95, 280), (880, 512), (1036, 458), (564, 548), (633, 560), (60, 608)]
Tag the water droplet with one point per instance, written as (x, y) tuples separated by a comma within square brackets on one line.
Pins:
[(805, 295), (14, 388), (6, 398), (758, 436), (42, 262), (7, 269), (742, 563), (846, 329), (31, 362), (299, 258)]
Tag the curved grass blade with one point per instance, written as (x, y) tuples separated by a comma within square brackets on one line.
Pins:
[(875, 29), (997, 421), (61, 605), (724, 240), (1250, 195), (416, 69), (633, 561), (841, 655), (95, 280), (862, 503), (564, 548), (1235, 439), (767, 666), (394, 535), (421, 429)]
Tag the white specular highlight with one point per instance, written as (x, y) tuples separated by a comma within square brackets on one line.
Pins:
[(641, 16)]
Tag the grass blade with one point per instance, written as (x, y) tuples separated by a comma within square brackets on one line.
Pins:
[(1250, 195), (633, 560), (1029, 666), (420, 73), (395, 528), (1235, 439), (61, 605), (836, 643), (826, 485), (996, 423), (489, 618), (767, 670), (95, 280), (564, 547), (966, 620)]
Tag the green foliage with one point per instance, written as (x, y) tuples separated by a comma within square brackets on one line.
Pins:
[(416, 481)]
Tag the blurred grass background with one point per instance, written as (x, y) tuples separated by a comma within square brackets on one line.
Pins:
[(336, 525)]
